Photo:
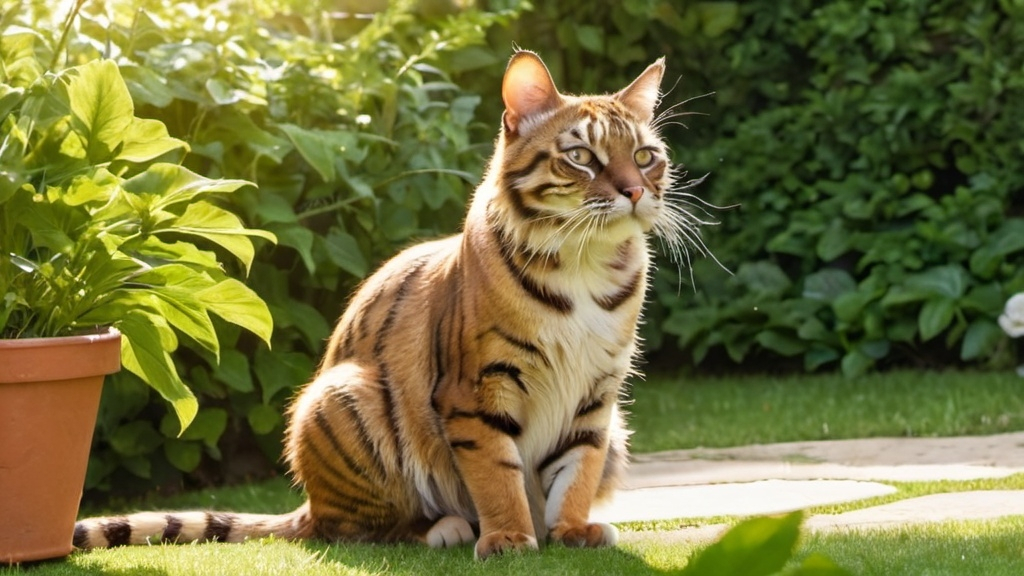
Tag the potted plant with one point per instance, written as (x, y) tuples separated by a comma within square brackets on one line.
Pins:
[(109, 250)]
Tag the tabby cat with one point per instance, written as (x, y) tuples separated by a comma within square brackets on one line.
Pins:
[(472, 385)]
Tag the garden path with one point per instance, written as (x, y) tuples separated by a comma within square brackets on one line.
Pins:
[(775, 478)]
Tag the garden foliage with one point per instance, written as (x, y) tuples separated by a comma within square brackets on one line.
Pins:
[(867, 151)]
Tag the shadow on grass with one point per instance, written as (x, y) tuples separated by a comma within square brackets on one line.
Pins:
[(413, 559), (71, 566)]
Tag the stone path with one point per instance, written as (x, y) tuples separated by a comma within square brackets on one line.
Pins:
[(774, 478)]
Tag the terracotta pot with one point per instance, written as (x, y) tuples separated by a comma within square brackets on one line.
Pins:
[(49, 397)]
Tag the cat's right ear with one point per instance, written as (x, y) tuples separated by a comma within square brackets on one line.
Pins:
[(527, 90)]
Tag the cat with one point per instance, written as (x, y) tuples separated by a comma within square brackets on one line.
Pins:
[(472, 388)]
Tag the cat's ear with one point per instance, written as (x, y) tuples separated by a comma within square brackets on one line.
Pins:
[(527, 90), (642, 95)]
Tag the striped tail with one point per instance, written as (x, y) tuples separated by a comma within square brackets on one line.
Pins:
[(185, 527)]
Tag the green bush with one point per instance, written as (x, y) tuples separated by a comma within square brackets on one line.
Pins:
[(873, 149), (358, 145)]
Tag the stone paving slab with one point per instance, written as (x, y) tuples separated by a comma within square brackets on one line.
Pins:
[(775, 478), (979, 505), (902, 459), (743, 499)]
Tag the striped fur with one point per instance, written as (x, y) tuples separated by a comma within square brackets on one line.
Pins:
[(471, 388)]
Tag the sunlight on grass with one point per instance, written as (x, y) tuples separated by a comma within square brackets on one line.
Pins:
[(683, 412), (992, 548)]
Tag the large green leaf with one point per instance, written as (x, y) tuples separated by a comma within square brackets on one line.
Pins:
[(180, 252), (171, 184), (146, 140), (143, 354), (935, 316), (236, 303), (101, 107), (755, 547), (219, 226), (186, 313)]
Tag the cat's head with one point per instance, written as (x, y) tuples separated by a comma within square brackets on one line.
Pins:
[(584, 165)]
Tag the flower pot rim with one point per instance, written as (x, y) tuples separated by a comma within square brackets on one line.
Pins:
[(98, 335), (25, 360)]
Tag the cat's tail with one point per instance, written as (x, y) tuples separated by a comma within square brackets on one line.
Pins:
[(184, 527)]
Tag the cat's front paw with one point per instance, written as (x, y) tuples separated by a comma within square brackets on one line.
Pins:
[(586, 535), (449, 531), (502, 542)]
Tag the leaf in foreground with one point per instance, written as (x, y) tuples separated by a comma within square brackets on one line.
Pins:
[(755, 547)]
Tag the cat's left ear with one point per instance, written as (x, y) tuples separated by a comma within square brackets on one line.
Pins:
[(527, 90), (642, 95)]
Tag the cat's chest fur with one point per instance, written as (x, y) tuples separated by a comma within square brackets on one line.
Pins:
[(584, 353)]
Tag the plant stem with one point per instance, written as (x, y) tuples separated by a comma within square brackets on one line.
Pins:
[(65, 32)]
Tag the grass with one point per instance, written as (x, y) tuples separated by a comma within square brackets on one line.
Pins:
[(667, 415), (673, 413), (990, 548)]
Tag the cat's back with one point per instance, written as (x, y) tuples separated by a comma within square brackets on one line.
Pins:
[(397, 302)]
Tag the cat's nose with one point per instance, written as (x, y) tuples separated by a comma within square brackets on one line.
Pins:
[(633, 193)]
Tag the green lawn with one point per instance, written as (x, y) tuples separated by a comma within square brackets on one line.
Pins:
[(671, 413), (666, 414)]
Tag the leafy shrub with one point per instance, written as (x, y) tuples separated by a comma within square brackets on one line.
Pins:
[(872, 152), (358, 145), (98, 231)]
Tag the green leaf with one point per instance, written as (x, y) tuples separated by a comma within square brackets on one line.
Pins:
[(297, 237), (208, 426), (263, 418), (321, 148), (99, 186), (591, 38), (763, 278), (717, 17), (186, 313), (146, 140), (935, 316), (219, 226), (828, 284), (236, 303), (171, 184), (146, 85), (781, 343), (834, 242), (817, 356), (137, 438), (981, 339), (343, 250), (143, 354), (277, 371), (856, 363), (755, 547), (101, 107), (233, 370), (184, 456), (179, 252), (949, 281)]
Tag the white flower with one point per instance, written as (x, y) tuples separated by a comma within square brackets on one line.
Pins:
[(1012, 319)]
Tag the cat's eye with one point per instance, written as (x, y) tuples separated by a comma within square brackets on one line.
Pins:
[(643, 157), (580, 156)]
